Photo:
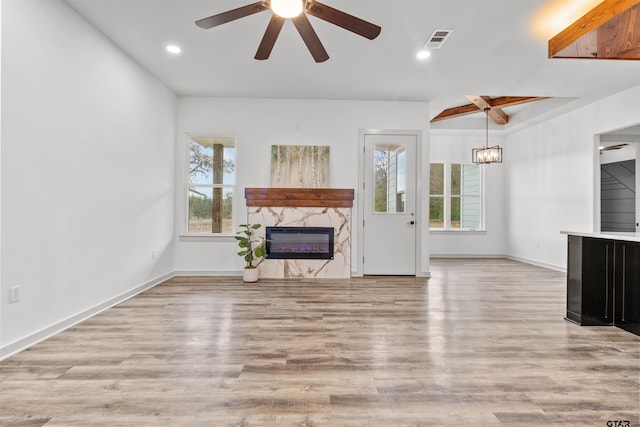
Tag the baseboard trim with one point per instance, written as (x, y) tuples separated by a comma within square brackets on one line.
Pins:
[(538, 263), (511, 257), (480, 256), (33, 339), (212, 273)]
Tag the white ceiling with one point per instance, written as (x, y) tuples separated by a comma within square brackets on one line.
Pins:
[(498, 48)]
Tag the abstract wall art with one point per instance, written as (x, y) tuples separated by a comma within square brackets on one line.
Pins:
[(299, 166)]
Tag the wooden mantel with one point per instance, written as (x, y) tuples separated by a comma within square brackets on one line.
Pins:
[(300, 197)]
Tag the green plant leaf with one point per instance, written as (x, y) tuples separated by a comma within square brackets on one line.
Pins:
[(260, 251)]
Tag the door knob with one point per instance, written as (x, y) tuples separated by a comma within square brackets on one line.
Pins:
[(412, 222)]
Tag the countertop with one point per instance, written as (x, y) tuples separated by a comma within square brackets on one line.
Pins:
[(630, 237)]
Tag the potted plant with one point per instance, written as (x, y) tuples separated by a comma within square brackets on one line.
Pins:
[(251, 249)]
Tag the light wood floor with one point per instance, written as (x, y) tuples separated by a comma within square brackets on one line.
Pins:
[(481, 343)]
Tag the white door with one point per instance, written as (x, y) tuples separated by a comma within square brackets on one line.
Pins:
[(389, 236)]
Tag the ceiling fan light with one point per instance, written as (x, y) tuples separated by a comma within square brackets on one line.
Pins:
[(287, 8)]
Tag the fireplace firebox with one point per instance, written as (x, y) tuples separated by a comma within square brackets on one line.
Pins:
[(300, 242)]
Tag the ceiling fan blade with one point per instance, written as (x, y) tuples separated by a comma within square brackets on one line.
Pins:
[(310, 38), (344, 20), (231, 15), (270, 37)]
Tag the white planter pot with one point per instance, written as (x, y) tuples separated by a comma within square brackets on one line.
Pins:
[(250, 275)]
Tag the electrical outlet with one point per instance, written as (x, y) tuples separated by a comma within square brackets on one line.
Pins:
[(153, 254), (14, 294)]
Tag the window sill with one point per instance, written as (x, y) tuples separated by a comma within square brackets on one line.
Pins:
[(456, 231), (206, 238)]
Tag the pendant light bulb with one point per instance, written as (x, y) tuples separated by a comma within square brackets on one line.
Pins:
[(287, 8)]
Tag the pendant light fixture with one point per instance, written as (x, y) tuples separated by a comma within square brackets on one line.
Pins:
[(487, 154)]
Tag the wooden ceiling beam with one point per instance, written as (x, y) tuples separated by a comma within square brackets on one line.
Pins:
[(483, 101), (510, 101), (484, 104), (611, 30), (459, 111)]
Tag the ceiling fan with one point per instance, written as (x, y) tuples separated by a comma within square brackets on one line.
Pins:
[(297, 11)]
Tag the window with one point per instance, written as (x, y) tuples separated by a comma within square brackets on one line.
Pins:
[(390, 164), (210, 184), (455, 197)]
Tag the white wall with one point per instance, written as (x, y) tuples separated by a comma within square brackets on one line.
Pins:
[(87, 172), (260, 123), (455, 147), (551, 178)]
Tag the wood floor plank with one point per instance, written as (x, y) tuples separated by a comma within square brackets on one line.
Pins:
[(482, 342)]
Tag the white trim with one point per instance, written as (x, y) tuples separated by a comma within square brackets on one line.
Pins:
[(208, 273), (186, 181), (447, 197), (207, 237), (562, 269), (359, 264), (597, 220), (503, 256), (478, 256), (28, 341), (454, 231)]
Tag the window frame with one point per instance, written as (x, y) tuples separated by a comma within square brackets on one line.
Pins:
[(187, 184), (447, 198)]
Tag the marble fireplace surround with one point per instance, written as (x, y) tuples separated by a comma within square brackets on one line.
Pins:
[(304, 207)]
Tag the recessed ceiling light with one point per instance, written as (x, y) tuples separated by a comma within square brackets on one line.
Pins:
[(171, 48), (423, 54)]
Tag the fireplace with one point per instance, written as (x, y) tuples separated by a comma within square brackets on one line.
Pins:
[(304, 208), (300, 242)]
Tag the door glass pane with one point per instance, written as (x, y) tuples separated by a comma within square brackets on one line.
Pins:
[(389, 165), (436, 212)]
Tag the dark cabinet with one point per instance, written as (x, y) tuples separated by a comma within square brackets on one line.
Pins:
[(627, 286), (590, 281)]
